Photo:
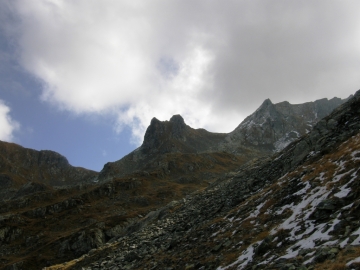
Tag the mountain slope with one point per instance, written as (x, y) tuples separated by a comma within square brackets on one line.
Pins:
[(162, 141), (273, 126), (19, 166), (270, 128), (296, 210), (42, 225)]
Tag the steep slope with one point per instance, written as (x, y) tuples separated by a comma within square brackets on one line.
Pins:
[(33, 170), (273, 126), (296, 210)]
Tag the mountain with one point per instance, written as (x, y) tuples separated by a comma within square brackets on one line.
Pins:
[(273, 126), (42, 223), (163, 142), (298, 209), (183, 191), (269, 129), (31, 170)]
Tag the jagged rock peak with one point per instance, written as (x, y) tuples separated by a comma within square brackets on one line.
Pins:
[(266, 102), (154, 121), (177, 119), (265, 106)]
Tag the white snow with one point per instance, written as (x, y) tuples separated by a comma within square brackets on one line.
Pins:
[(356, 260), (343, 192), (321, 176), (245, 258), (304, 190), (353, 155), (356, 242), (348, 206), (281, 210), (343, 243), (256, 212), (308, 261)]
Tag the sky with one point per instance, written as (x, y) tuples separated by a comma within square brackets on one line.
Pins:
[(84, 78)]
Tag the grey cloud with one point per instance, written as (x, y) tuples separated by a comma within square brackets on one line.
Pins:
[(208, 60)]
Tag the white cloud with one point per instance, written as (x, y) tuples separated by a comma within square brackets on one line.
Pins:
[(210, 61), (7, 125)]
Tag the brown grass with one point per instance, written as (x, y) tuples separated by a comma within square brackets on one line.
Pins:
[(342, 258)]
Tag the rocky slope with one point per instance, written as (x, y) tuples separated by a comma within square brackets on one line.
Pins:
[(296, 210), (49, 226)]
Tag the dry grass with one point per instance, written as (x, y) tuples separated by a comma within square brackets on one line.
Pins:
[(230, 257), (343, 257)]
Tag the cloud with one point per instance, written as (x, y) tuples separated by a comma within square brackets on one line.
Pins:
[(7, 125), (213, 62)]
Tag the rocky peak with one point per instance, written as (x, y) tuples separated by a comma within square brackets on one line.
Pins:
[(266, 103), (19, 166), (177, 119), (178, 126), (273, 126), (160, 132), (47, 157)]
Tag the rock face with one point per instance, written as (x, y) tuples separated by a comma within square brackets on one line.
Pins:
[(176, 136), (273, 126), (298, 209)]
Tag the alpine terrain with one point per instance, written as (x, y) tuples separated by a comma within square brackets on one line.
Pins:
[(281, 191)]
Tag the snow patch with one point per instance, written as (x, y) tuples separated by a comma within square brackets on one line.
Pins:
[(245, 258)]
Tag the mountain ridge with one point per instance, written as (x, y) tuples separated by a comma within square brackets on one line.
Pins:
[(296, 210), (175, 194), (20, 165), (249, 140)]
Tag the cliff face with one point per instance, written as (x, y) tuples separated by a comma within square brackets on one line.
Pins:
[(176, 136)]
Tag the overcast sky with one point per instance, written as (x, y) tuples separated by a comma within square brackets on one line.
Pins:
[(85, 77)]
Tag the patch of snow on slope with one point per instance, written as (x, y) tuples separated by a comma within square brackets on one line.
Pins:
[(355, 154), (257, 210), (344, 190), (313, 199), (357, 260), (245, 258), (356, 242), (337, 177), (285, 140), (318, 234)]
